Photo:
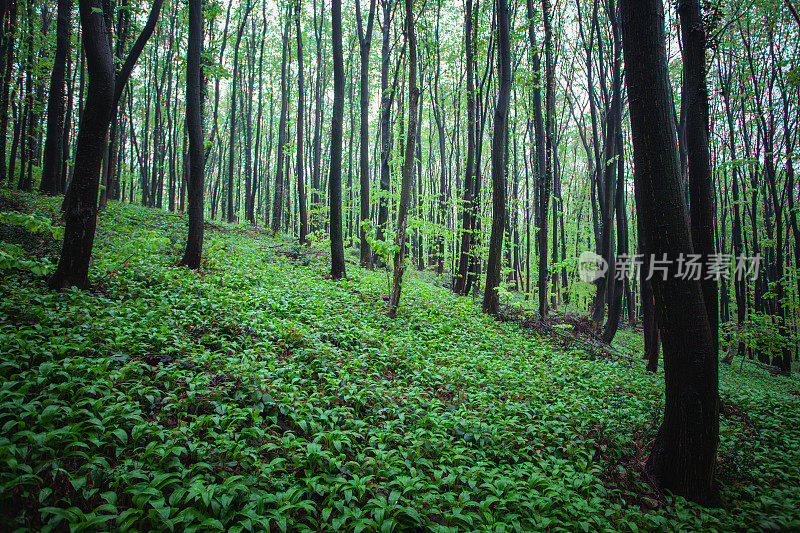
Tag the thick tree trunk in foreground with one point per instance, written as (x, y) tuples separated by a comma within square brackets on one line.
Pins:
[(53, 156), (684, 453), (194, 125), (102, 96), (408, 164), (701, 186), (491, 299), (335, 173), (80, 216)]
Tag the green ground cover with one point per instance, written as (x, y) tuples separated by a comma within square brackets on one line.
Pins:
[(257, 394)]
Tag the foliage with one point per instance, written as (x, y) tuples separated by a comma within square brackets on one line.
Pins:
[(254, 394)]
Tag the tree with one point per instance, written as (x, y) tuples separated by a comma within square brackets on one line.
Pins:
[(408, 164), (103, 92), (684, 452), (335, 172), (301, 186), (277, 203), (53, 155), (468, 210), (491, 299), (194, 125), (549, 145), (232, 119), (701, 186), (364, 41), (80, 216)]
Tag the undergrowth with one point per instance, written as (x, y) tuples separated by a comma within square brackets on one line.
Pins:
[(256, 394)]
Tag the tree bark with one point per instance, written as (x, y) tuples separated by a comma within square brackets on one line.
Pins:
[(468, 209), (80, 216), (684, 453), (53, 156), (408, 164), (301, 186), (491, 298), (365, 41), (194, 125), (277, 202), (335, 173)]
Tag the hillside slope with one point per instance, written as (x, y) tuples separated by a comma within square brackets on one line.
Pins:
[(257, 394)]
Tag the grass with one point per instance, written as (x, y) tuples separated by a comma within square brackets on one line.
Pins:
[(257, 394)]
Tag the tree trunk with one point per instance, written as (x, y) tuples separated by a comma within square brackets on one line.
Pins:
[(365, 41), (277, 203), (80, 216), (468, 209), (491, 299), (194, 125), (53, 156), (335, 175), (701, 186), (408, 164), (234, 80), (7, 57), (544, 193), (684, 453), (301, 186)]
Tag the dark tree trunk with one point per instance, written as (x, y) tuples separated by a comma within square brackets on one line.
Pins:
[(365, 41), (386, 110), (614, 141), (491, 299), (277, 203), (684, 453), (701, 186), (234, 80), (102, 96), (80, 216), (335, 174), (7, 57), (544, 192), (468, 211), (194, 125), (53, 155), (301, 186), (26, 132), (408, 164)]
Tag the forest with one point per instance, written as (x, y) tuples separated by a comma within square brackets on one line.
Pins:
[(399, 265)]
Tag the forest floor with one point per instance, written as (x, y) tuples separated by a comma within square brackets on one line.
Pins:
[(257, 394)]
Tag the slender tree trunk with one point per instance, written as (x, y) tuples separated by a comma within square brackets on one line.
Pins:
[(491, 299), (365, 42), (234, 80), (194, 125), (335, 173), (468, 210), (701, 185), (301, 186), (408, 164), (277, 203), (544, 194), (53, 155), (7, 57)]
